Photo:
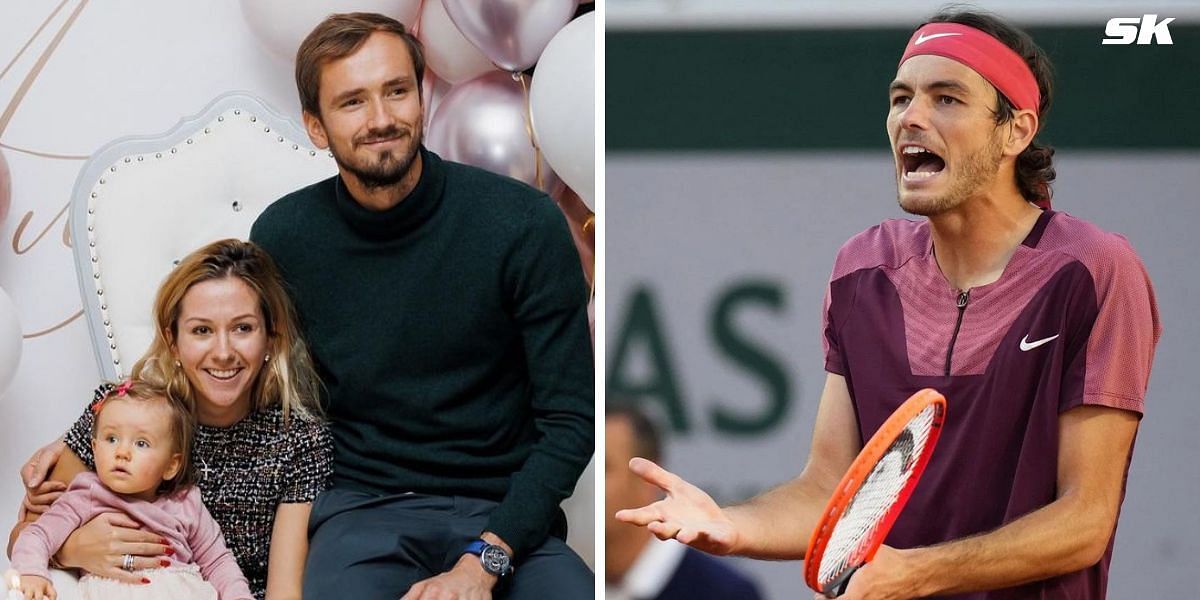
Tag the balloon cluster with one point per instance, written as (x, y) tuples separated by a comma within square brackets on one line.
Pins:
[(541, 131), (515, 35)]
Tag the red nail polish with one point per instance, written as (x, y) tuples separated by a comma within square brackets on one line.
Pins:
[(164, 562), (145, 581), (170, 551)]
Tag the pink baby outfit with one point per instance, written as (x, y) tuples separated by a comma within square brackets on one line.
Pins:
[(179, 518)]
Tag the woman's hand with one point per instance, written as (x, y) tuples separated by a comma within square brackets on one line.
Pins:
[(99, 547), (38, 500), (34, 471), (40, 492)]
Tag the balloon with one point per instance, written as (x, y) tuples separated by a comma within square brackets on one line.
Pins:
[(562, 101), (5, 188), (482, 123), (447, 52), (512, 33), (433, 89), (282, 24), (10, 341)]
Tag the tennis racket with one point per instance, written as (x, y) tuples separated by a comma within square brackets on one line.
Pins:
[(871, 495)]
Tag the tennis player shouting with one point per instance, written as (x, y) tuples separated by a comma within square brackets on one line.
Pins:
[(1038, 327)]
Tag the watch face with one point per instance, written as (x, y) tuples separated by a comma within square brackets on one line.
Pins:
[(495, 560)]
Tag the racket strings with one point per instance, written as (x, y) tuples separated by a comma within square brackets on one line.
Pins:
[(854, 531)]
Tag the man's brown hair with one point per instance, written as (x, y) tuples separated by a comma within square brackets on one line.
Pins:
[(339, 36)]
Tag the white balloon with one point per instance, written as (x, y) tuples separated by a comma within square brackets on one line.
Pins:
[(10, 341), (562, 100), (454, 58), (282, 24)]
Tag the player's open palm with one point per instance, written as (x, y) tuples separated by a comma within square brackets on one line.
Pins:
[(686, 514)]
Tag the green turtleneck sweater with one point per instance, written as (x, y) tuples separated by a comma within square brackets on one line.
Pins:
[(451, 334)]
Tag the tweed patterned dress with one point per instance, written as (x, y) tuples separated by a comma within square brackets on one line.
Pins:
[(245, 471)]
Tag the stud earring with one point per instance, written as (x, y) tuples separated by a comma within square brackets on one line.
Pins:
[(178, 365), (267, 358)]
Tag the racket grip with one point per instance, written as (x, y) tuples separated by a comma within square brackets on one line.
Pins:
[(838, 586)]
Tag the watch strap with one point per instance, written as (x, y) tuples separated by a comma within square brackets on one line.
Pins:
[(476, 547)]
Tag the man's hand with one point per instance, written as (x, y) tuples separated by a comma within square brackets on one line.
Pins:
[(36, 588), (99, 547), (686, 514), (466, 581), (889, 576)]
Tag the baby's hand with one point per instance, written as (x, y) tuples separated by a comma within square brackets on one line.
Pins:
[(37, 588)]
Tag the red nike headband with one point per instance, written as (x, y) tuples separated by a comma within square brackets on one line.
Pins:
[(984, 54)]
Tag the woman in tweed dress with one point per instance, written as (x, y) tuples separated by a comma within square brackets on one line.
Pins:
[(227, 342)]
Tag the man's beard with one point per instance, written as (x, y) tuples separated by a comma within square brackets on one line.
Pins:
[(975, 170), (389, 169)]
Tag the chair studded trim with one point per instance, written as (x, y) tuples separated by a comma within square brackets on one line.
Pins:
[(141, 203)]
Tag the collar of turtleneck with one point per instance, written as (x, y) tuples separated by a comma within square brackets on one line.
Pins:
[(406, 216)]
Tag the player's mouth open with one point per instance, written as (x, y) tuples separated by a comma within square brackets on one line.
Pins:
[(920, 163)]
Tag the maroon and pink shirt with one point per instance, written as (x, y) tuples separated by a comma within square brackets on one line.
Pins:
[(1071, 321)]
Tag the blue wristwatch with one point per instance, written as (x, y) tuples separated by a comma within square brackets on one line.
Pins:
[(495, 559)]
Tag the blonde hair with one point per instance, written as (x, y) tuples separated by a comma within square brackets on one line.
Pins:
[(287, 380), (182, 421)]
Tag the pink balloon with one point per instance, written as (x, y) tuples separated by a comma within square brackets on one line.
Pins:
[(5, 188), (512, 33), (447, 51), (483, 122), (433, 89)]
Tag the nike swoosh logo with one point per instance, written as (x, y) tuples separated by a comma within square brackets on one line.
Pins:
[(1027, 345), (921, 39)]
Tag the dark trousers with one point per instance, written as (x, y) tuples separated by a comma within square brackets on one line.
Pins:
[(363, 547)]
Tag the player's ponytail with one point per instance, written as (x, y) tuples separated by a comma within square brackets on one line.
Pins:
[(1035, 172)]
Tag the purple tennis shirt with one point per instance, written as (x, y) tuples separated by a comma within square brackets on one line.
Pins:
[(1071, 321)]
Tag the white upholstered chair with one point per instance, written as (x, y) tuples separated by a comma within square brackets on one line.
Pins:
[(142, 203)]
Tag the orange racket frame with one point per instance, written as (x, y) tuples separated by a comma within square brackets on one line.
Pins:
[(862, 466)]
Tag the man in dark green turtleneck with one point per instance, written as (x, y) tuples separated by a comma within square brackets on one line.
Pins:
[(446, 312)]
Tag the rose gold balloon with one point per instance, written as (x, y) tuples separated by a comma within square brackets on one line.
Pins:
[(483, 122), (512, 33), (447, 51)]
